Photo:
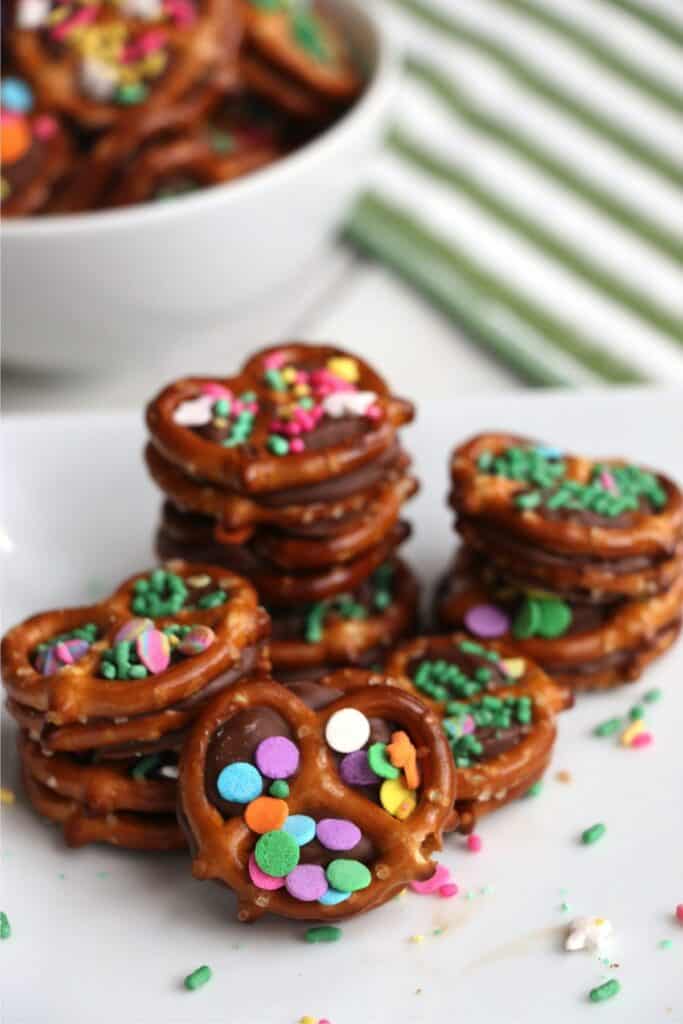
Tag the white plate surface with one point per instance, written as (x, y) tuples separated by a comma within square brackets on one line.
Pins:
[(105, 936)]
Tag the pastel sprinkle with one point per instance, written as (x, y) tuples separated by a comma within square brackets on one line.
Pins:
[(652, 696), (417, 939), (198, 640), (239, 782), (154, 650), (593, 834), (666, 944), (301, 827), (608, 728), (338, 833), (332, 897), (265, 814), (260, 879), (380, 763), (197, 978), (643, 739), (277, 853), (487, 621), (535, 789), (631, 731), (347, 730), (448, 891), (7, 796), (5, 926), (16, 95), (279, 788), (474, 843), (679, 913), (196, 412), (323, 933), (356, 771), (348, 875), (636, 712), (440, 878), (277, 757), (513, 667), (131, 630), (307, 882), (397, 799), (605, 991)]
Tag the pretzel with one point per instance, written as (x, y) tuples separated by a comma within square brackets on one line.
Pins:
[(334, 639), (284, 92), (192, 537), (153, 832), (312, 444), (597, 529), (36, 156), (398, 850), (601, 646), (105, 67), (305, 45), (79, 691)]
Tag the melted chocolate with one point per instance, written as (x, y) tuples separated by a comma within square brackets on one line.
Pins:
[(237, 740), (497, 741)]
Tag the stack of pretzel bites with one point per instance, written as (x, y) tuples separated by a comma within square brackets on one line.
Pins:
[(105, 693), (106, 103), (578, 561), (291, 474)]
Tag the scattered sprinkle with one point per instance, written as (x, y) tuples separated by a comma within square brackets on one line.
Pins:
[(563, 776), (323, 933), (607, 990), (666, 944), (417, 939), (652, 696), (102, 874), (535, 789), (631, 731), (592, 834), (588, 933), (448, 891), (565, 906), (679, 913), (5, 926), (197, 978), (643, 739), (474, 843), (608, 728), (7, 796), (307, 1019), (436, 882), (636, 712)]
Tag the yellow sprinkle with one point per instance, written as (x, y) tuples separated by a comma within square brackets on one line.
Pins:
[(220, 421), (302, 389), (417, 939), (154, 64), (6, 796), (344, 367), (289, 374), (514, 667), (397, 799), (307, 1020), (630, 733)]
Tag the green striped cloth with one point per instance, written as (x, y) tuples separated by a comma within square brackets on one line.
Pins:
[(531, 185)]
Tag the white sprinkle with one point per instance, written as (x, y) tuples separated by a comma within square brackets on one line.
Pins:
[(98, 80), (32, 13), (347, 730), (348, 403), (146, 9), (169, 771), (588, 933), (195, 412)]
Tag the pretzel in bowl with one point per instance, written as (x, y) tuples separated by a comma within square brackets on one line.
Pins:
[(584, 646), (497, 710), (279, 800), (592, 530), (108, 63)]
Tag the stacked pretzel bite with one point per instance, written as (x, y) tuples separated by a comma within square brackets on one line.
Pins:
[(291, 474), (115, 102), (577, 561), (104, 695)]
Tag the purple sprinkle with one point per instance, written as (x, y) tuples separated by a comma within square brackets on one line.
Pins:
[(338, 834), (487, 620), (306, 882), (277, 757), (355, 770)]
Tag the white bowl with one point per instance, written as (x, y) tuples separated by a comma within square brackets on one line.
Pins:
[(82, 291)]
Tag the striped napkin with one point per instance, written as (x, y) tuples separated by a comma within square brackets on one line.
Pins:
[(531, 185)]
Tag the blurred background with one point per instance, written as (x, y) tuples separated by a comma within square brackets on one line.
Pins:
[(520, 223)]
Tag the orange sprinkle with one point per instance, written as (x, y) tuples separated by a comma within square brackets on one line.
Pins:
[(402, 754), (15, 139), (265, 814)]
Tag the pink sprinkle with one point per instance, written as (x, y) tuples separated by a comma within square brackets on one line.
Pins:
[(373, 412), (679, 912), (440, 877), (181, 11), (275, 360), (82, 17), (251, 407), (216, 390), (151, 41), (296, 445), (608, 482), (474, 843), (45, 127), (64, 654), (643, 739), (449, 890), (9, 116), (302, 377), (237, 407), (260, 879), (293, 429)]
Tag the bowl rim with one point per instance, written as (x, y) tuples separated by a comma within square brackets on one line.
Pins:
[(380, 83)]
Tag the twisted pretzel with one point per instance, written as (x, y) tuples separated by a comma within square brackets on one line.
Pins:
[(32, 179), (221, 847), (281, 90), (250, 466)]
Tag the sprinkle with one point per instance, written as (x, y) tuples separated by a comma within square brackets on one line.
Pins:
[(564, 777), (195, 412), (198, 978), (154, 650), (588, 933), (535, 789), (397, 799), (239, 782), (514, 667), (380, 763), (307, 1020), (277, 445), (338, 833), (608, 728), (307, 882), (277, 853), (636, 712), (440, 878), (266, 814), (323, 933), (131, 630), (679, 913), (277, 757), (417, 939), (5, 926), (605, 991), (487, 621), (260, 879), (45, 127), (356, 771), (301, 827), (347, 730), (344, 367), (402, 754), (198, 640), (7, 796), (279, 788), (348, 403), (448, 891), (643, 739), (666, 944), (592, 834), (565, 907), (631, 731), (145, 766), (16, 95), (652, 696), (332, 897), (474, 843), (348, 875)]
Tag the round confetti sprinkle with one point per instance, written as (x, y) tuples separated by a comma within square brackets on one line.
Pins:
[(347, 730), (487, 621), (131, 630), (277, 757), (301, 827), (306, 882), (260, 879), (397, 799), (338, 834), (279, 788), (277, 853), (154, 650), (239, 782), (332, 897), (356, 771), (15, 95), (266, 814), (556, 617), (323, 933), (380, 763), (474, 843), (198, 640), (348, 875)]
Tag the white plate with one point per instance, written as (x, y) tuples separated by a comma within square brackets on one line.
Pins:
[(104, 936)]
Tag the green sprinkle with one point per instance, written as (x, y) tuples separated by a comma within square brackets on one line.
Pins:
[(530, 499), (197, 978), (347, 875), (592, 834), (666, 944), (636, 713), (221, 407), (145, 766), (565, 906), (128, 95), (5, 926), (279, 788), (652, 696), (607, 990), (380, 763), (527, 620), (535, 789), (278, 445), (308, 35), (274, 380), (212, 600), (608, 728), (277, 853), (323, 933), (222, 142)]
